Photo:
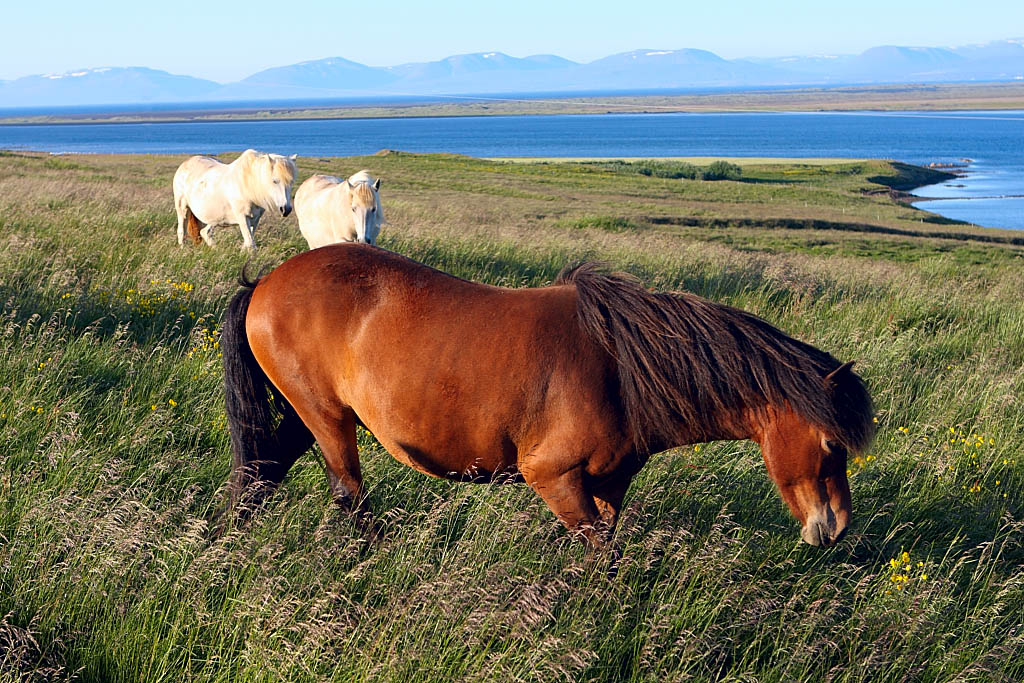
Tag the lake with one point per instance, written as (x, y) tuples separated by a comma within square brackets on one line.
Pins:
[(991, 193)]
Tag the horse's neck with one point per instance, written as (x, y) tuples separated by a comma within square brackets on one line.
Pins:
[(240, 173), (235, 172), (237, 165), (735, 427)]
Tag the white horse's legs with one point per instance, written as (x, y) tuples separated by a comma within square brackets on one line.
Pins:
[(207, 234), (247, 227), (180, 210)]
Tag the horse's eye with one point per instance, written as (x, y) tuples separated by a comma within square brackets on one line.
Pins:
[(373, 210), (835, 448)]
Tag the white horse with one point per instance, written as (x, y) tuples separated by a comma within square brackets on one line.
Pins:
[(333, 210), (208, 192)]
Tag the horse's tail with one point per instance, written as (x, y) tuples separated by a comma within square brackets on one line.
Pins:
[(262, 452), (194, 226)]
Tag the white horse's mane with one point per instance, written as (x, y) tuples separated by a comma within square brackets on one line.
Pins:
[(361, 185), (258, 172)]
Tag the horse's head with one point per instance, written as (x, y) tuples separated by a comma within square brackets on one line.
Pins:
[(277, 173), (809, 467), (365, 205)]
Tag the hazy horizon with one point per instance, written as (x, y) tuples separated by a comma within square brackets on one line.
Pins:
[(226, 42)]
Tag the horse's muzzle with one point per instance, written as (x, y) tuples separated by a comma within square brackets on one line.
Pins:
[(822, 535)]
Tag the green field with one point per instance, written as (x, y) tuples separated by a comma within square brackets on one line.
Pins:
[(114, 453)]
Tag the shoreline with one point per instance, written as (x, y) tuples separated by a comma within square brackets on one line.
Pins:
[(912, 176), (997, 96)]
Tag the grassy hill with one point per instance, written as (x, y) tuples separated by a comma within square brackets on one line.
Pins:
[(114, 453)]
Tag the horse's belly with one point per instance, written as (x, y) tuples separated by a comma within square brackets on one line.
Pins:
[(210, 210), (454, 459)]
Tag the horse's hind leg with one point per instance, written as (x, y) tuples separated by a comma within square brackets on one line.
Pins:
[(207, 234), (181, 230), (337, 439), (181, 210)]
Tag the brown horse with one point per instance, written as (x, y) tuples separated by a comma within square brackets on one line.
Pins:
[(569, 387)]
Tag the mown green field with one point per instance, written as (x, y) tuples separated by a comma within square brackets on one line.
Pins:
[(114, 453)]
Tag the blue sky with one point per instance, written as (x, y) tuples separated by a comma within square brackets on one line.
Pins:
[(226, 41)]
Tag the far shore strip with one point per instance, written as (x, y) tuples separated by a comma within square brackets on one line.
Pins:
[(739, 161)]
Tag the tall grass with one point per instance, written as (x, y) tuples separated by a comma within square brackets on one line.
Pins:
[(114, 454)]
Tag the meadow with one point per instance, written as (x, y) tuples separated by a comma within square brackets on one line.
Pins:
[(114, 453)]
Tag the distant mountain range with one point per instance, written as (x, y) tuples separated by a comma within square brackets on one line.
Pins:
[(496, 73)]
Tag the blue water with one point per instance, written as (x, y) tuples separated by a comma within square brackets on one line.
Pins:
[(990, 194)]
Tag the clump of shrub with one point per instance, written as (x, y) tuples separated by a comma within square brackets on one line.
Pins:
[(718, 170), (654, 169), (607, 223), (722, 170), (669, 169)]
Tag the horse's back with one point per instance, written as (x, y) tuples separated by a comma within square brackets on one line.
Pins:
[(316, 183), (341, 284), (314, 191), (193, 169), (198, 165)]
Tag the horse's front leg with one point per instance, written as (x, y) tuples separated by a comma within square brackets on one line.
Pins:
[(251, 218), (247, 226), (563, 490)]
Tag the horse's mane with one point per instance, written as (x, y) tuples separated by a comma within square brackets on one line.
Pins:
[(281, 167), (362, 184), (685, 363), (365, 193)]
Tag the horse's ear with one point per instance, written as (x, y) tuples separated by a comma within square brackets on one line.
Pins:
[(832, 378), (349, 183), (294, 157), (376, 184)]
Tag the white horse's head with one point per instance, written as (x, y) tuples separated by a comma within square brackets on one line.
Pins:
[(364, 202), (270, 180)]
